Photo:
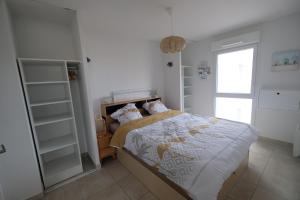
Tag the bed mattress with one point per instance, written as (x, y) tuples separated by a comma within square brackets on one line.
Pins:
[(196, 153)]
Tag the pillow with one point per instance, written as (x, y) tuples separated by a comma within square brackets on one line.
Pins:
[(155, 107), (127, 113)]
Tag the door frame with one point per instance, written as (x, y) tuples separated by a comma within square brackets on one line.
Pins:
[(252, 94)]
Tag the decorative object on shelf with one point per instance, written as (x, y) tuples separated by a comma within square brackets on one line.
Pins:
[(286, 60), (204, 70), (172, 43), (72, 73)]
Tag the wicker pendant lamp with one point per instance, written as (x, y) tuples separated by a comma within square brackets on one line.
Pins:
[(173, 43)]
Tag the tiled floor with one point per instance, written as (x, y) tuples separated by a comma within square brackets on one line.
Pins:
[(273, 174)]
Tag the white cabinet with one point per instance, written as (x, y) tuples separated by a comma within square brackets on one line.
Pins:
[(178, 83), (187, 86), (49, 103)]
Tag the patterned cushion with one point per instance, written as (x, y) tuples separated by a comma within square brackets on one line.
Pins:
[(127, 113), (155, 107)]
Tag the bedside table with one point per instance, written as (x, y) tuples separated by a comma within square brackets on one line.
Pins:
[(105, 150)]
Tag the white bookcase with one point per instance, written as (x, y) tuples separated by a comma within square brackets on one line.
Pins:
[(49, 102), (187, 84)]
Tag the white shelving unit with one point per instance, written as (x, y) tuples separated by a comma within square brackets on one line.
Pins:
[(187, 84), (49, 101)]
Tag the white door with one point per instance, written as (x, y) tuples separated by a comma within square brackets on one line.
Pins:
[(19, 172), (235, 84)]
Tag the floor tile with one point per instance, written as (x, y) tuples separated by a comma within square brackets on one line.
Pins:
[(96, 182), (111, 193), (116, 169), (73, 191), (133, 188), (284, 186), (261, 194), (57, 194), (148, 196), (242, 191), (263, 147), (272, 174)]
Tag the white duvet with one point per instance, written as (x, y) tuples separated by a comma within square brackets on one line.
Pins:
[(196, 153)]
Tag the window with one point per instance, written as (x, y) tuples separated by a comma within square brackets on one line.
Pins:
[(234, 84)]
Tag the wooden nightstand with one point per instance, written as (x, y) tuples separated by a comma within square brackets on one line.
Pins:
[(105, 150)]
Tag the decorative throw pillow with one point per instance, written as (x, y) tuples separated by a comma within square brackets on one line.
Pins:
[(155, 107), (127, 113)]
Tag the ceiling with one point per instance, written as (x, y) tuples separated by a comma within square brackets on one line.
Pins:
[(193, 19)]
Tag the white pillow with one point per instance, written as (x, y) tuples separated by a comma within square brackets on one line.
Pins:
[(155, 107), (127, 113)]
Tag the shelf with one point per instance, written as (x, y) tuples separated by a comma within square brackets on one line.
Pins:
[(187, 86), (53, 119), (188, 95), (36, 60), (46, 82), (45, 103), (188, 76), (61, 164), (186, 66), (57, 143)]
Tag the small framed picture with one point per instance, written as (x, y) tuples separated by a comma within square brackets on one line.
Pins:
[(286, 60)]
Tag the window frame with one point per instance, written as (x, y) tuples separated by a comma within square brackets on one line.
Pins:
[(250, 95)]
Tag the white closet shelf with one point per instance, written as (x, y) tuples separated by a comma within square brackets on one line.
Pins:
[(46, 82), (187, 86), (44, 103), (57, 143), (61, 164), (33, 60), (187, 95), (52, 119)]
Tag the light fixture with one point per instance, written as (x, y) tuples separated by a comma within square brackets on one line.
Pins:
[(173, 43)]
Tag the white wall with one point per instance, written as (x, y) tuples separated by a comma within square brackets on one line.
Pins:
[(281, 34), (19, 173), (37, 38), (172, 81), (119, 62)]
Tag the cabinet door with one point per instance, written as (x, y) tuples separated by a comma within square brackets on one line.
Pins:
[(18, 162)]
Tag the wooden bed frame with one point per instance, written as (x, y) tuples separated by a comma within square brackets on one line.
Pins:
[(157, 183), (161, 187)]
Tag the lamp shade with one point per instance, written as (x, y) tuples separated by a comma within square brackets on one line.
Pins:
[(172, 44)]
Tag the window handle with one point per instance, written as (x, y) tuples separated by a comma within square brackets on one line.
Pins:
[(2, 149)]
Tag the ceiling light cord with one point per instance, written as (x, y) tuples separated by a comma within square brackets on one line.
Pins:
[(170, 12), (172, 43)]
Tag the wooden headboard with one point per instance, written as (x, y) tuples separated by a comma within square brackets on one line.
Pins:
[(107, 108)]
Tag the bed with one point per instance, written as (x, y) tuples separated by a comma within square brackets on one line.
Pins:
[(182, 156)]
